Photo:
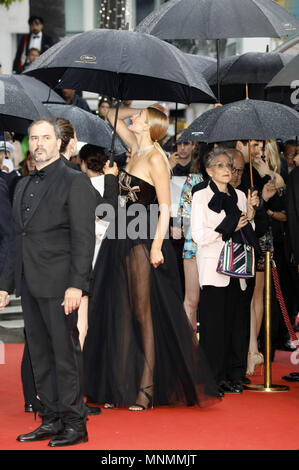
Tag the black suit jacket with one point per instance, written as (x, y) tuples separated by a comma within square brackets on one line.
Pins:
[(293, 212), (54, 248), (23, 47), (6, 233)]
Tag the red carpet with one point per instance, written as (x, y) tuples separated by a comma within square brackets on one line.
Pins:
[(251, 421)]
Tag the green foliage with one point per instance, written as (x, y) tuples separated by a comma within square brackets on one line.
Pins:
[(7, 3)]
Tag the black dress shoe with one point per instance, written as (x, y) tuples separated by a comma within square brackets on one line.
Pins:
[(294, 374), (230, 388), (246, 381), (69, 437), (289, 378), (42, 433), (93, 410), (238, 385)]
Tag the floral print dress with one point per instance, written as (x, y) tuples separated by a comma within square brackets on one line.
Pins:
[(184, 214)]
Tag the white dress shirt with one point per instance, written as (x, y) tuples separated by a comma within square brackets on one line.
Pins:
[(36, 41)]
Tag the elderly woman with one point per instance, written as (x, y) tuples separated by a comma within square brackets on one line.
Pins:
[(218, 213)]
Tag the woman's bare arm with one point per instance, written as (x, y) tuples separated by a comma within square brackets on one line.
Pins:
[(160, 177), (121, 128)]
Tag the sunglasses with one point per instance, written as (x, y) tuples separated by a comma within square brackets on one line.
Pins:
[(222, 165)]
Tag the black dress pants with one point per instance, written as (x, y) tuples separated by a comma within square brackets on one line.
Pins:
[(29, 389), (223, 329), (56, 358)]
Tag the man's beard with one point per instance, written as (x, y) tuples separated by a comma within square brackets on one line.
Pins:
[(41, 159)]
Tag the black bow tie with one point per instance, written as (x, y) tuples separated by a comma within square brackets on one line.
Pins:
[(36, 37), (38, 173)]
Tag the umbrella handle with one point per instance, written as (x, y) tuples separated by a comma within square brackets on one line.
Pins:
[(250, 165), (218, 69), (113, 135), (175, 127)]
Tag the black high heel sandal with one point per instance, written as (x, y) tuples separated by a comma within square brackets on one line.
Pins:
[(148, 396)]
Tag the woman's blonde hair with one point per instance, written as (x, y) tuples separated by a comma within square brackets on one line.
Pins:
[(273, 154), (158, 122)]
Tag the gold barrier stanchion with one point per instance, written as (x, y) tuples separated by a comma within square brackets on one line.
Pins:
[(267, 386)]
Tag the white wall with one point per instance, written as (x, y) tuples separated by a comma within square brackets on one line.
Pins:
[(12, 21), (256, 44)]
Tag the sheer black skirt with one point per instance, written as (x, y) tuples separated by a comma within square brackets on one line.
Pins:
[(139, 335)]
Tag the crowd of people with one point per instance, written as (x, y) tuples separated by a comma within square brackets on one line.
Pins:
[(127, 308)]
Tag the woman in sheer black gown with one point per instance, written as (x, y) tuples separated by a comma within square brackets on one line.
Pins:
[(140, 349)]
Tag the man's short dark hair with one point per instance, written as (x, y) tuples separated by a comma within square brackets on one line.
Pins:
[(290, 143), (33, 18), (52, 122)]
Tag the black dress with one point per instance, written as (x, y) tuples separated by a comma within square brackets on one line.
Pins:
[(139, 335)]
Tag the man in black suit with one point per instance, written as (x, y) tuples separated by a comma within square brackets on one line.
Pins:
[(54, 210), (6, 231), (36, 39)]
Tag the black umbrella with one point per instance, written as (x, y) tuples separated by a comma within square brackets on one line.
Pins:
[(38, 89), (244, 120), (123, 64), (285, 82), (17, 108), (89, 127), (287, 75), (254, 69), (219, 19), (200, 65)]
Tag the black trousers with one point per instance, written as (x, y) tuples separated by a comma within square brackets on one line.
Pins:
[(224, 329), (56, 358), (29, 388)]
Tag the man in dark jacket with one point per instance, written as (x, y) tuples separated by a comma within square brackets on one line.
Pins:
[(6, 232), (53, 215), (36, 38)]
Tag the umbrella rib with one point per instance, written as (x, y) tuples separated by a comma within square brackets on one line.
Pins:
[(264, 14), (259, 119), (215, 123)]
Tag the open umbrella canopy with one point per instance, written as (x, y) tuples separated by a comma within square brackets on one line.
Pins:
[(202, 64), (89, 128), (38, 89), (251, 67), (287, 75), (254, 69), (123, 64), (17, 108), (219, 19), (244, 120)]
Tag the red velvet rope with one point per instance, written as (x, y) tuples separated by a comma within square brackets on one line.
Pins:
[(279, 296)]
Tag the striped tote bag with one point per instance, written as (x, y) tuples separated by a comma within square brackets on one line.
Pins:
[(237, 259)]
